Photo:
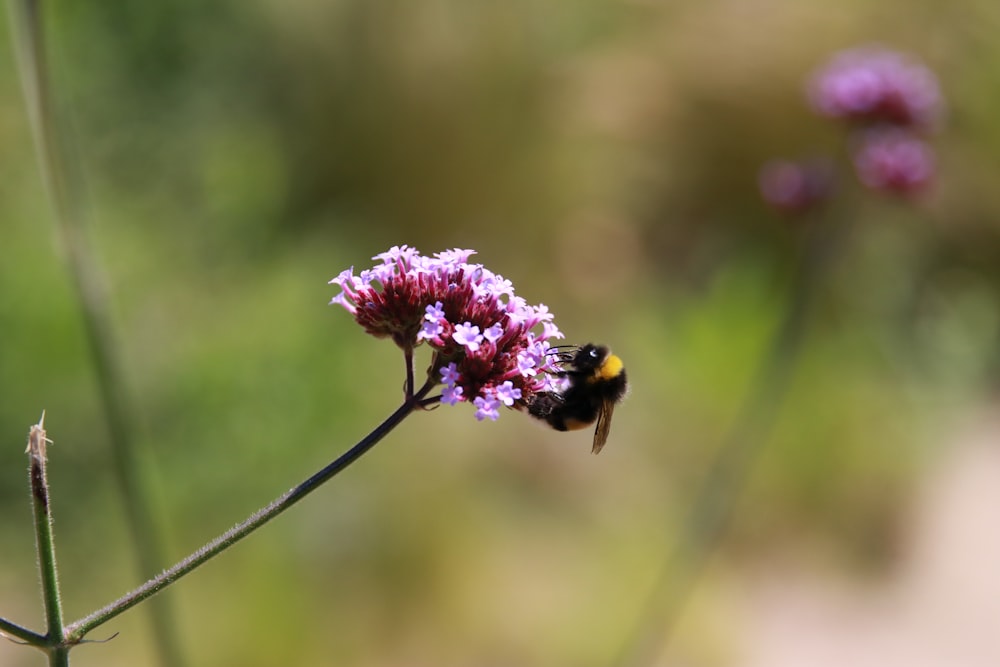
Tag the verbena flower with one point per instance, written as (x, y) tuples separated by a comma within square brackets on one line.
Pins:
[(795, 187), (491, 347), (894, 161), (877, 85)]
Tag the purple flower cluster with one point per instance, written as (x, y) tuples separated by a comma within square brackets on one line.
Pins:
[(893, 160), (873, 85), (892, 99), (795, 187), (491, 347)]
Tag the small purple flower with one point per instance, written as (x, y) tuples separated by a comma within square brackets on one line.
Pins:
[(452, 395), (877, 85), (551, 330), (468, 335), (507, 393), (486, 344), (450, 374), (494, 333), (894, 161), (429, 330), (434, 312), (795, 187), (487, 408), (432, 326), (499, 286), (454, 257), (526, 362)]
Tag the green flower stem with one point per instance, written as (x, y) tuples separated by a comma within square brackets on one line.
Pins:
[(40, 502), (70, 218), (713, 506), (24, 634), (77, 630)]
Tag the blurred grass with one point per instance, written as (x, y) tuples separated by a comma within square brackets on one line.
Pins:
[(601, 155)]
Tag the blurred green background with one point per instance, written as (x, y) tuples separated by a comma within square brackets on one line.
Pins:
[(603, 156)]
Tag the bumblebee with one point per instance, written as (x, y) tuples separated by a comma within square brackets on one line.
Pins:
[(597, 383)]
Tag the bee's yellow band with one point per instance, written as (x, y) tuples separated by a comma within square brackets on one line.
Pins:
[(611, 368)]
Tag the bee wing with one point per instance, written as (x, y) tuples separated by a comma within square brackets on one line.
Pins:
[(603, 426)]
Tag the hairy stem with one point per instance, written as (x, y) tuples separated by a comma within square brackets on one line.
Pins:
[(40, 502), (78, 629)]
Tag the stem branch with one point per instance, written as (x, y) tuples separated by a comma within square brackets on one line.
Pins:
[(78, 629), (24, 634)]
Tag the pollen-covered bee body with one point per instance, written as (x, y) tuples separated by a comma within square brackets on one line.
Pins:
[(597, 382)]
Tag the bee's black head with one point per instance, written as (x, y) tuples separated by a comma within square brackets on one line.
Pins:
[(590, 357)]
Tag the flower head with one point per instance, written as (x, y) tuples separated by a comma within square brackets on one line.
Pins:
[(490, 346), (877, 85), (795, 187), (894, 161)]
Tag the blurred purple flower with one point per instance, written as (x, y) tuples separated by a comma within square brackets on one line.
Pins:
[(487, 349), (877, 85), (894, 161), (795, 187)]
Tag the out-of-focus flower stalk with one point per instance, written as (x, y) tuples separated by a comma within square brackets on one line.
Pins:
[(92, 298), (890, 101), (709, 514)]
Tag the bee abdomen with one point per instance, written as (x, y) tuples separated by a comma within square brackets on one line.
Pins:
[(560, 414)]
